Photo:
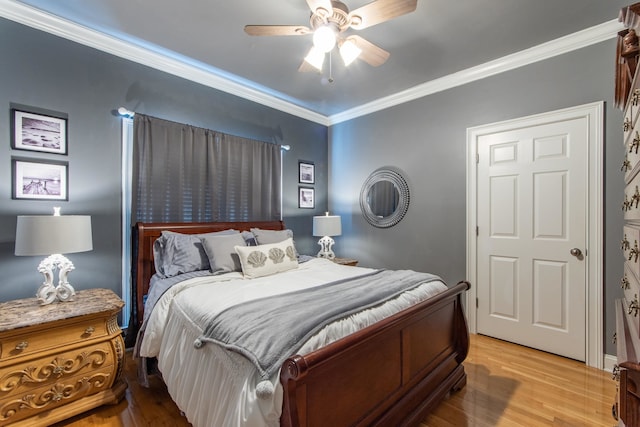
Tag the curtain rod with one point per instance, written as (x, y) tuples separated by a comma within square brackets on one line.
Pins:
[(122, 111), (126, 113)]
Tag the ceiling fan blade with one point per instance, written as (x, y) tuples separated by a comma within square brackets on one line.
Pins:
[(371, 54), (314, 5), (379, 11), (276, 30)]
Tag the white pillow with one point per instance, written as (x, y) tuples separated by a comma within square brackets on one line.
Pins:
[(263, 260)]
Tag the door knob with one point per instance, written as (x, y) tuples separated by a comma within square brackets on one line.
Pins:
[(575, 252)]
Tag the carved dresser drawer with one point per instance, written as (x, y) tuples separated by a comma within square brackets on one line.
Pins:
[(60, 359), (632, 111), (627, 125), (631, 288), (20, 345), (631, 204), (631, 162), (630, 246), (18, 379), (631, 310)]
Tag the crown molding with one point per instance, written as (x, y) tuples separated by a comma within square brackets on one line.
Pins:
[(181, 67), (200, 73), (562, 45)]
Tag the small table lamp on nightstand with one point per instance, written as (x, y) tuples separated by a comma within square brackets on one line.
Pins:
[(326, 226), (54, 235)]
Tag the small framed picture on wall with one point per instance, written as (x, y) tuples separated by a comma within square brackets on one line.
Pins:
[(307, 172), (38, 132), (306, 198), (40, 180)]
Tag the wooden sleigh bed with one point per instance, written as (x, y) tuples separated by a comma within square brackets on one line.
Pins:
[(344, 383)]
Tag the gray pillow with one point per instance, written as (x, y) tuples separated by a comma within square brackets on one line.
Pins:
[(177, 253), (266, 237), (221, 252), (249, 238)]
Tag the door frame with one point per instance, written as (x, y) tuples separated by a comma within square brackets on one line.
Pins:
[(594, 113)]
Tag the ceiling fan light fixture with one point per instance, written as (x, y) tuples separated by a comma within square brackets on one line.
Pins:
[(324, 38), (349, 52), (328, 22), (315, 57)]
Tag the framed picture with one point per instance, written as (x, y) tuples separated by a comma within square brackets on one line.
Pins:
[(306, 198), (307, 173), (40, 180), (38, 132)]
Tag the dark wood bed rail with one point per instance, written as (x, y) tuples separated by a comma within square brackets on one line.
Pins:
[(144, 234), (391, 373)]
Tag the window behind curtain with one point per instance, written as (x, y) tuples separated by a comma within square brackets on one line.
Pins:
[(183, 173)]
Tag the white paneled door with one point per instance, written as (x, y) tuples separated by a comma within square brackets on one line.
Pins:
[(532, 235)]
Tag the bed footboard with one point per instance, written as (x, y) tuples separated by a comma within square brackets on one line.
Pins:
[(391, 373)]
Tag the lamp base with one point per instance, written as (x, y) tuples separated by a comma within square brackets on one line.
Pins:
[(47, 292), (326, 243)]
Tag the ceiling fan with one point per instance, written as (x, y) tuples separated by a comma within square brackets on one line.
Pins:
[(329, 21)]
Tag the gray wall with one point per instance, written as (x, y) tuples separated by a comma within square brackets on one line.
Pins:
[(426, 138), (48, 72)]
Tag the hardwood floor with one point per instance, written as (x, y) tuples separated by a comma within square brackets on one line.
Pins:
[(511, 385), (507, 385)]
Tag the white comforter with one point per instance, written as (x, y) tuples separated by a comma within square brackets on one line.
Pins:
[(215, 387)]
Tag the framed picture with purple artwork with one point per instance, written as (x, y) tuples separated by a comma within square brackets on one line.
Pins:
[(40, 179), (306, 198), (306, 172), (38, 132)]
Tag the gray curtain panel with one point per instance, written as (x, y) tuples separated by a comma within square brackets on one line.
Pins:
[(183, 173)]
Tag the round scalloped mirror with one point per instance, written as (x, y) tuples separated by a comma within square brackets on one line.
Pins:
[(384, 198)]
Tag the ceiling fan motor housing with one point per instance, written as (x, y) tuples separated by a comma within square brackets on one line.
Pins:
[(339, 17)]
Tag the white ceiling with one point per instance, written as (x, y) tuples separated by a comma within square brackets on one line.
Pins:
[(205, 41)]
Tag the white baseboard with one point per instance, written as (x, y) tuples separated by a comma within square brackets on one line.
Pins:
[(609, 362)]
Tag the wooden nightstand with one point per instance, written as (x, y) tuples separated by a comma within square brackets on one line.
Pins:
[(346, 261), (60, 359)]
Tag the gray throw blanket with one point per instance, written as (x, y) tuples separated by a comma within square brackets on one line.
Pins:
[(269, 330)]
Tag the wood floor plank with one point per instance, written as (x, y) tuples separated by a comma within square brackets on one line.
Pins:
[(511, 385), (507, 386)]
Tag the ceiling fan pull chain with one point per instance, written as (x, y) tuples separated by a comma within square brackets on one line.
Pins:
[(330, 69)]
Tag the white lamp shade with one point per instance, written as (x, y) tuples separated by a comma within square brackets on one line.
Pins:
[(324, 38), (349, 52), (315, 57), (50, 234), (327, 225)]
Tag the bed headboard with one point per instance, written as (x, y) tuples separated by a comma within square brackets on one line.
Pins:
[(144, 234)]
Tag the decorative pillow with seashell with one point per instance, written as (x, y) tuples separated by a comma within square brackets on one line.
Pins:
[(263, 260)]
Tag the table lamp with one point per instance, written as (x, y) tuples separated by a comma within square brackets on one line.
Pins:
[(326, 226), (53, 235)]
